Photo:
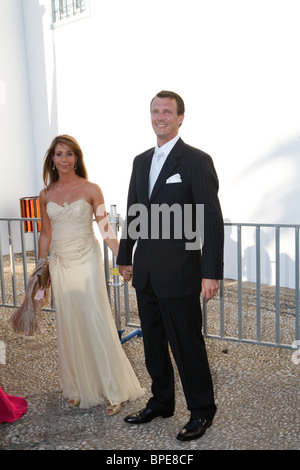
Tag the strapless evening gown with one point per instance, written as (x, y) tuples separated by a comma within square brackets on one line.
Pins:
[(93, 366)]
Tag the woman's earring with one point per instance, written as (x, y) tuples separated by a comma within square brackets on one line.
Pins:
[(75, 166), (53, 167)]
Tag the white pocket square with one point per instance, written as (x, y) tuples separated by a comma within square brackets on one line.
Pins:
[(174, 179)]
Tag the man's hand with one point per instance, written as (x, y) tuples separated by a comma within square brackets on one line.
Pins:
[(126, 272), (210, 288)]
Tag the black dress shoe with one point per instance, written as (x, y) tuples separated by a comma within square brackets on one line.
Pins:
[(146, 415), (194, 429)]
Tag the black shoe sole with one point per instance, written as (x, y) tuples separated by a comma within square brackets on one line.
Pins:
[(145, 420)]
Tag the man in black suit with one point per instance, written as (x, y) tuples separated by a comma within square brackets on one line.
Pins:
[(174, 215)]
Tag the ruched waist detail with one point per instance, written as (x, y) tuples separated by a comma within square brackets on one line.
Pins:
[(62, 251)]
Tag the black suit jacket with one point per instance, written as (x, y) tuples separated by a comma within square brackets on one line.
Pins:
[(161, 251)]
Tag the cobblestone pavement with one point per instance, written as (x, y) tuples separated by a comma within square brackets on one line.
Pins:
[(256, 388)]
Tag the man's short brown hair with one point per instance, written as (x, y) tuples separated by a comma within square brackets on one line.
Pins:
[(173, 96)]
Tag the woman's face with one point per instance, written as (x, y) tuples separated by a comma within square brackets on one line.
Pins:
[(64, 158)]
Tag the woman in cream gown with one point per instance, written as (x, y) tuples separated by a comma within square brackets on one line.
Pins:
[(93, 366)]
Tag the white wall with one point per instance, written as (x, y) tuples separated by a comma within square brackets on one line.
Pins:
[(234, 62), (42, 78), (17, 163), (17, 171)]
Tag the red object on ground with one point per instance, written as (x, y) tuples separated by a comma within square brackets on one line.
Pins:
[(11, 408)]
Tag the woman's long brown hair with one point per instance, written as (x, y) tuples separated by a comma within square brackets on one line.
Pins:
[(50, 175)]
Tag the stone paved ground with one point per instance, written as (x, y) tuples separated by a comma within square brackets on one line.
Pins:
[(257, 393), (256, 387)]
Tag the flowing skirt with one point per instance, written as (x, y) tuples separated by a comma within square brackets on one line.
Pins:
[(93, 365)]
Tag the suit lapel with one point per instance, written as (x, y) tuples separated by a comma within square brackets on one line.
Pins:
[(144, 178), (170, 164)]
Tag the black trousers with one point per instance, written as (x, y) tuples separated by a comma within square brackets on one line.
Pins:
[(176, 322)]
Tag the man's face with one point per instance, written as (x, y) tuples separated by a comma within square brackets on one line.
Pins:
[(165, 120)]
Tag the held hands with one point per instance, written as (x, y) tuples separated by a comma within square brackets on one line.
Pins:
[(210, 288), (126, 272)]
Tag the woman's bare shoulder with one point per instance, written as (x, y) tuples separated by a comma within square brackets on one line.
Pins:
[(93, 188), (45, 194)]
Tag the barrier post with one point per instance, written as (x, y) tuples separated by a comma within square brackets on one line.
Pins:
[(116, 276), (115, 222)]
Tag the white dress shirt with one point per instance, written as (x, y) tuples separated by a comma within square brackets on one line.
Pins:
[(159, 157)]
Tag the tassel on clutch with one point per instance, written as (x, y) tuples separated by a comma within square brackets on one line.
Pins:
[(27, 319)]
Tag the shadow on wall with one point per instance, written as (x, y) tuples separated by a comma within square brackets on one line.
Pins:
[(275, 181), (44, 117), (43, 97), (271, 269)]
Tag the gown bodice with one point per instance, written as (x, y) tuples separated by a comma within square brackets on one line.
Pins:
[(72, 229)]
